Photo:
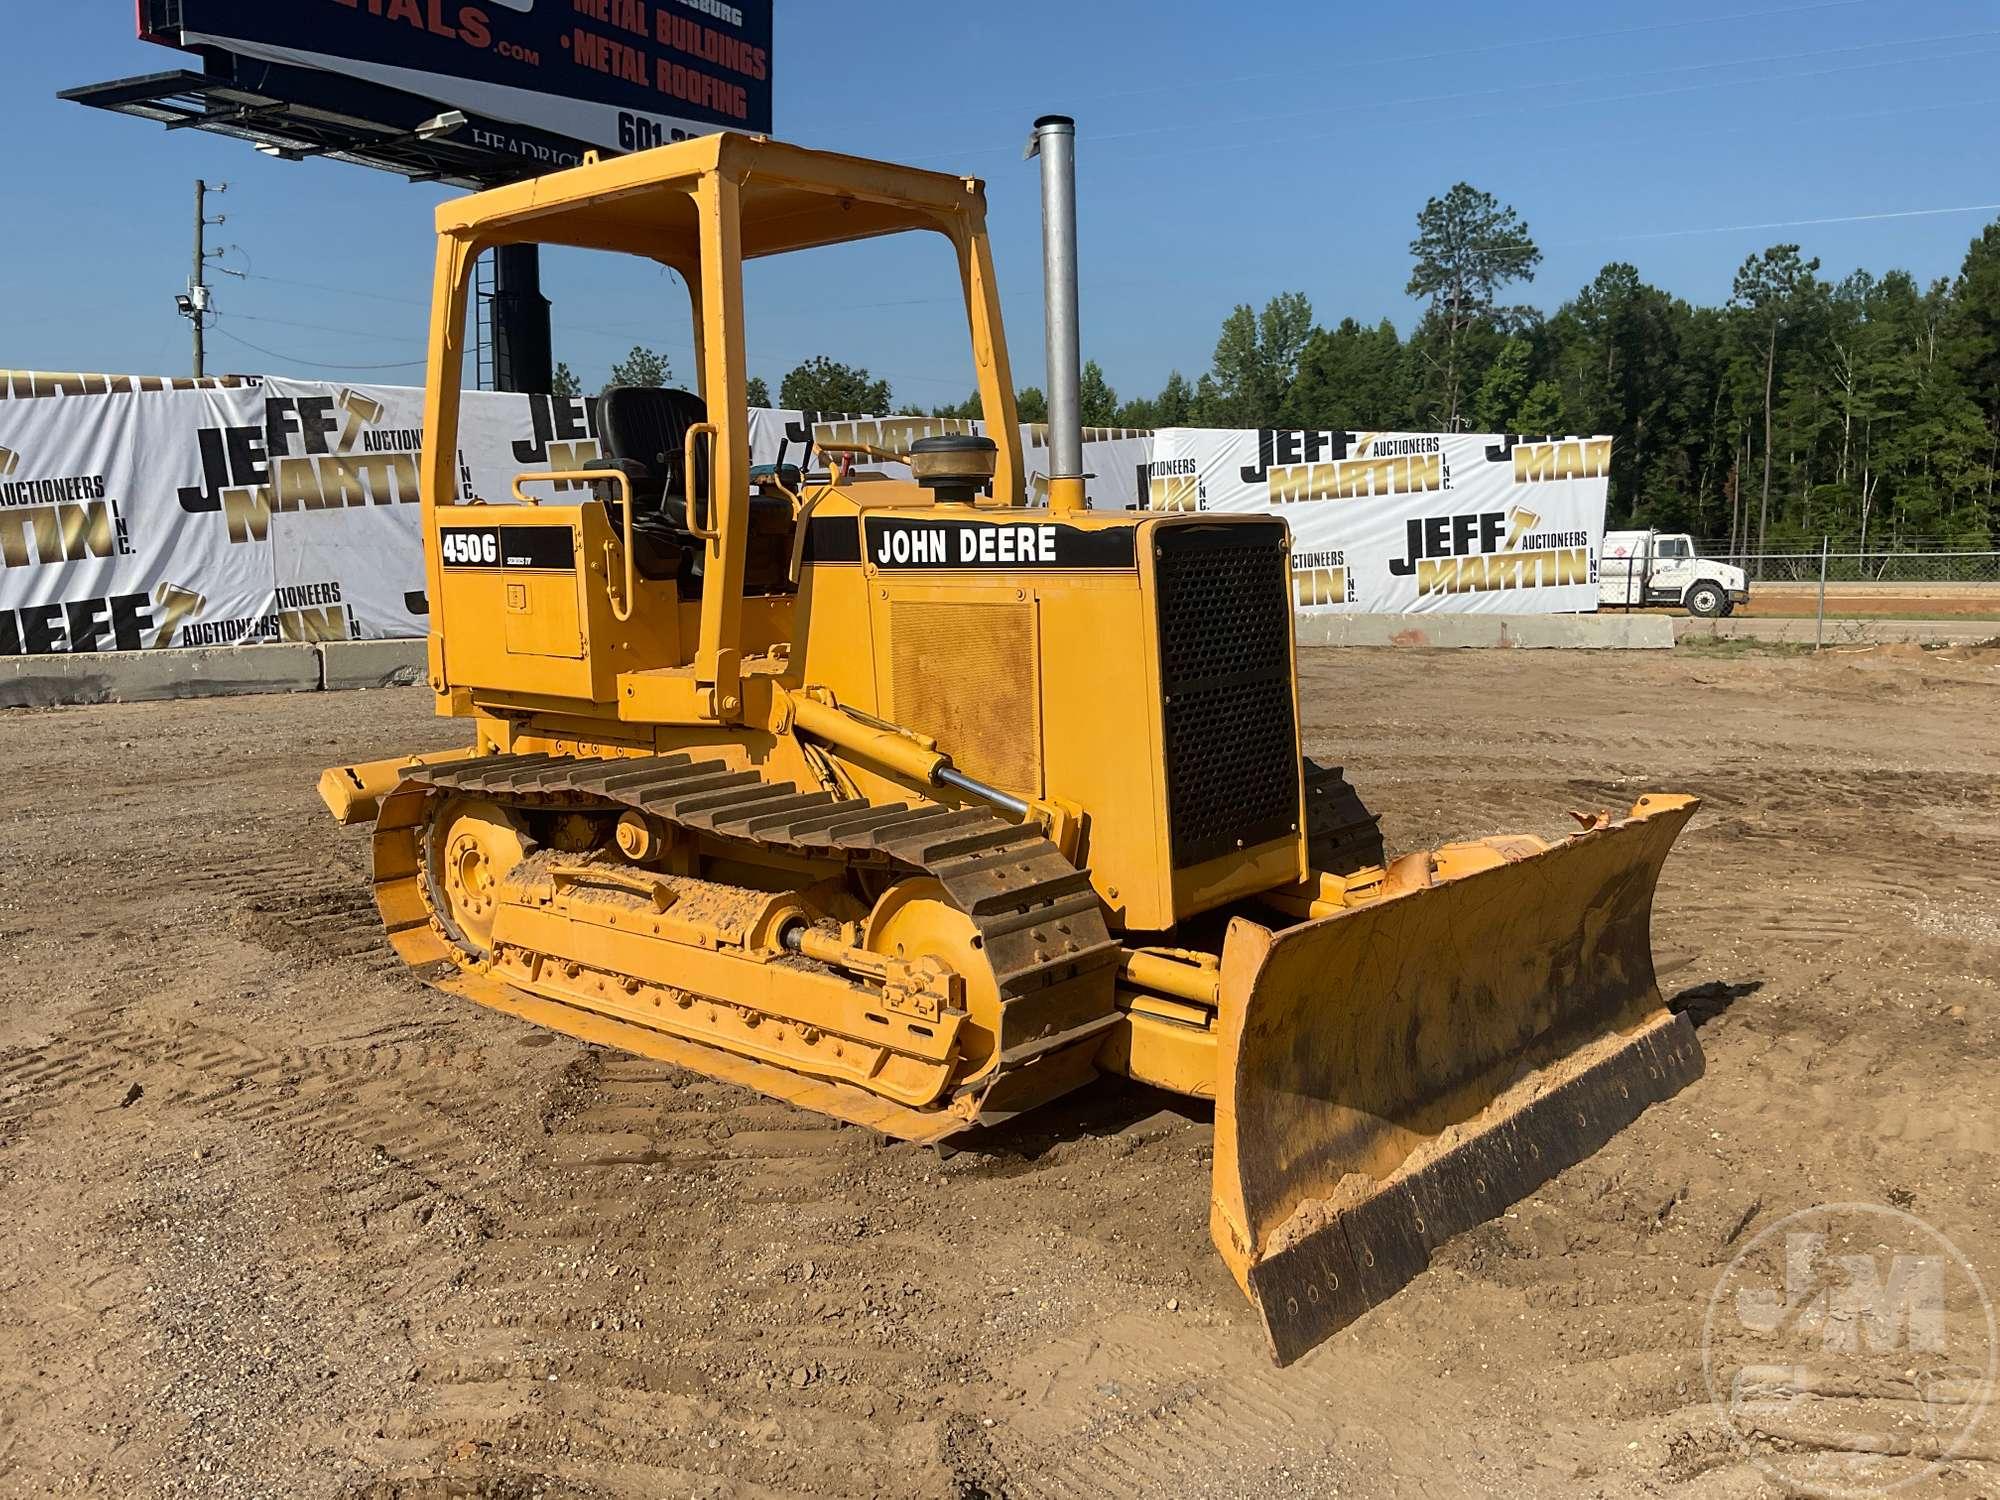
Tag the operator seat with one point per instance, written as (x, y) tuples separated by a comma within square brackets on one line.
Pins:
[(644, 431)]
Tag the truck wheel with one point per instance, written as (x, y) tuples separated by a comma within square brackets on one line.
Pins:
[(1706, 600)]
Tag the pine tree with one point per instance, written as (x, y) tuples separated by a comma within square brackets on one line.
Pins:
[(1469, 246), (1769, 292), (1097, 403)]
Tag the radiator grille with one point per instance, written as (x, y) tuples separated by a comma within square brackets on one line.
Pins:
[(1232, 754), (964, 674)]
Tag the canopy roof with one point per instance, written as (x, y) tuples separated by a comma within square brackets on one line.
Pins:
[(792, 198)]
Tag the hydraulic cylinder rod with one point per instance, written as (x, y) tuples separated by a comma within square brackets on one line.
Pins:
[(894, 751)]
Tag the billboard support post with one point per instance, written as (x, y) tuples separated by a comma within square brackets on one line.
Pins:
[(523, 349)]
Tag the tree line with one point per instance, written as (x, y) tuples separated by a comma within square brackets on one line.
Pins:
[(1864, 409), (817, 384)]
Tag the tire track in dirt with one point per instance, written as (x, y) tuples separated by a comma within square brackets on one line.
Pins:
[(644, 1364), (366, 1095), (623, 1361), (299, 908), (1195, 1418)]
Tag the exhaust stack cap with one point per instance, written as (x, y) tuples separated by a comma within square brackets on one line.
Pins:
[(954, 466), (1048, 124)]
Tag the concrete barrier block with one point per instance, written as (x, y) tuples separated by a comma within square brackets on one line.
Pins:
[(372, 664), (139, 676), (1605, 632)]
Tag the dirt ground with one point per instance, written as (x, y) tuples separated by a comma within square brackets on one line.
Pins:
[(1967, 601), (278, 1221)]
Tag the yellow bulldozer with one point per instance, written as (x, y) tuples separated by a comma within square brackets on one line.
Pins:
[(905, 801)]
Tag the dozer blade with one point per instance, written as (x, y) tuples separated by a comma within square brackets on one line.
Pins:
[(1405, 1069)]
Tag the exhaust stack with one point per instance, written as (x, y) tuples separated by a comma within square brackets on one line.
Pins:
[(1054, 141)]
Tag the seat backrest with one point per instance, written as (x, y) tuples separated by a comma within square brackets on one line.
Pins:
[(649, 425)]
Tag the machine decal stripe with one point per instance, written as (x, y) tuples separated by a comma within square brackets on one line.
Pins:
[(929, 544), (549, 549), (833, 539)]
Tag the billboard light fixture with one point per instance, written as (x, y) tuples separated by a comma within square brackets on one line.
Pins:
[(441, 125)]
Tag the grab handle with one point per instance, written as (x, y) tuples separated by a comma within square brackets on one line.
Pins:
[(694, 433)]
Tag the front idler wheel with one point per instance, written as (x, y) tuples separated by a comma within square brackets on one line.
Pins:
[(915, 920), (472, 846)]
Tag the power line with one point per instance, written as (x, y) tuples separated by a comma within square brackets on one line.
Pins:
[(1668, 234), (956, 382), (1512, 44), (953, 298), (1652, 137), (1901, 213), (343, 291), (959, 382), (350, 332), (317, 364), (1799, 120), (1723, 83), (1533, 41), (1371, 106), (565, 331)]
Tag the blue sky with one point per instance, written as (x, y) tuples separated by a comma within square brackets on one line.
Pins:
[(1227, 152)]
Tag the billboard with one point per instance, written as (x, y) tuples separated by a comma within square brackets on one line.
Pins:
[(1407, 522), (612, 75)]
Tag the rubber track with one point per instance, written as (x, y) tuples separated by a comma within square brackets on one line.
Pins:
[(1039, 916)]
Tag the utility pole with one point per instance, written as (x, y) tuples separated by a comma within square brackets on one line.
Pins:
[(196, 303)]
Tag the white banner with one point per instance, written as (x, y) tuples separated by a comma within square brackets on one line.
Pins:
[(1407, 523), (229, 514), (140, 514)]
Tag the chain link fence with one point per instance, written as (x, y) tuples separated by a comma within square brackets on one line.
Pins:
[(1913, 565)]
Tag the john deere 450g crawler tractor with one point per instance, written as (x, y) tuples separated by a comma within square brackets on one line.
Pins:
[(912, 804)]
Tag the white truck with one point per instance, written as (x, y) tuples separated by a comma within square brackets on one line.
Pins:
[(1653, 567)]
